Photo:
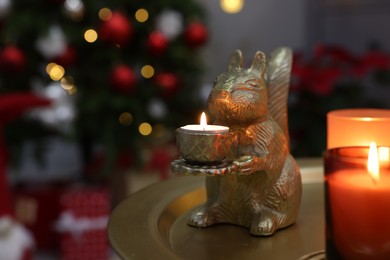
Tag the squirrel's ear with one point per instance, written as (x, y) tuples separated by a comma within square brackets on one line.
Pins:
[(235, 61), (259, 63)]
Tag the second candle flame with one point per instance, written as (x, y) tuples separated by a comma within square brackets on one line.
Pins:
[(373, 162)]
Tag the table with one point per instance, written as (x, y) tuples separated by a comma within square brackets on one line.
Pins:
[(152, 224)]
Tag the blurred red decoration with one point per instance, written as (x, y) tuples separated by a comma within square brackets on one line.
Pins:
[(330, 64), (41, 224), (196, 34), (333, 53), (67, 58), (116, 30), (123, 79), (373, 60), (12, 59), (13, 105), (157, 43), (168, 82), (82, 223), (318, 80)]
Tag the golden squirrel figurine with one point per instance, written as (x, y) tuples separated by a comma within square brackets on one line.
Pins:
[(262, 190)]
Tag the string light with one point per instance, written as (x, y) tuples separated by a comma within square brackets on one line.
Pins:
[(105, 14), (141, 15), (49, 66), (145, 129), (147, 71), (232, 6), (125, 118), (67, 83), (56, 72), (90, 35)]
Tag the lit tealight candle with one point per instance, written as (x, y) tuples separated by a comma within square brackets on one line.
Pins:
[(204, 143), (205, 127)]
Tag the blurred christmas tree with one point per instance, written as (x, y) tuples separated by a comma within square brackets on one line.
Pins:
[(118, 70)]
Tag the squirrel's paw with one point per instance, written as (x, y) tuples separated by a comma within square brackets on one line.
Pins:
[(202, 217), (265, 227), (267, 223), (244, 165)]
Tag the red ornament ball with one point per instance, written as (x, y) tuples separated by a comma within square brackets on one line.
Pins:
[(195, 34), (168, 82), (12, 59), (123, 79), (116, 30), (157, 43)]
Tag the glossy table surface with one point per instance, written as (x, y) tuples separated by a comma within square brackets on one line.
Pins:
[(152, 224)]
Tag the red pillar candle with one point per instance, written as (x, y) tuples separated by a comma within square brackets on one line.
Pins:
[(357, 205)]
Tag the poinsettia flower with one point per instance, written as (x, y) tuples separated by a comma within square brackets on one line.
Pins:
[(335, 54), (321, 81), (372, 60), (299, 73)]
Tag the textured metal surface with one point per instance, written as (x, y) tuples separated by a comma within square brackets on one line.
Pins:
[(152, 224), (218, 169), (203, 147), (261, 189), (319, 255)]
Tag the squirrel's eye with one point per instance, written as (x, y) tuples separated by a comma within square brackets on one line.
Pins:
[(251, 83)]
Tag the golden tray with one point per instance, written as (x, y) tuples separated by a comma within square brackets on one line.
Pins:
[(152, 224)]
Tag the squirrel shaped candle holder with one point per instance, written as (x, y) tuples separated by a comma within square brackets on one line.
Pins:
[(258, 183)]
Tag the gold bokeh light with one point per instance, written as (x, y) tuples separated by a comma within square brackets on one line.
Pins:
[(49, 67), (67, 83), (159, 130), (105, 14), (145, 129), (56, 72), (141, 15), (231, 6), (125, 119), (90, 35), (147, 71)]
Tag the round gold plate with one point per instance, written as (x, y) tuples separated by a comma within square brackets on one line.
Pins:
[(152, 224)]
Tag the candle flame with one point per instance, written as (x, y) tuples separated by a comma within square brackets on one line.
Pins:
[(373, 162), (203, 120)]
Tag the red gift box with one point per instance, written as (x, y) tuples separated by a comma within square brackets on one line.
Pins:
[(37, 208), (83, 223)]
